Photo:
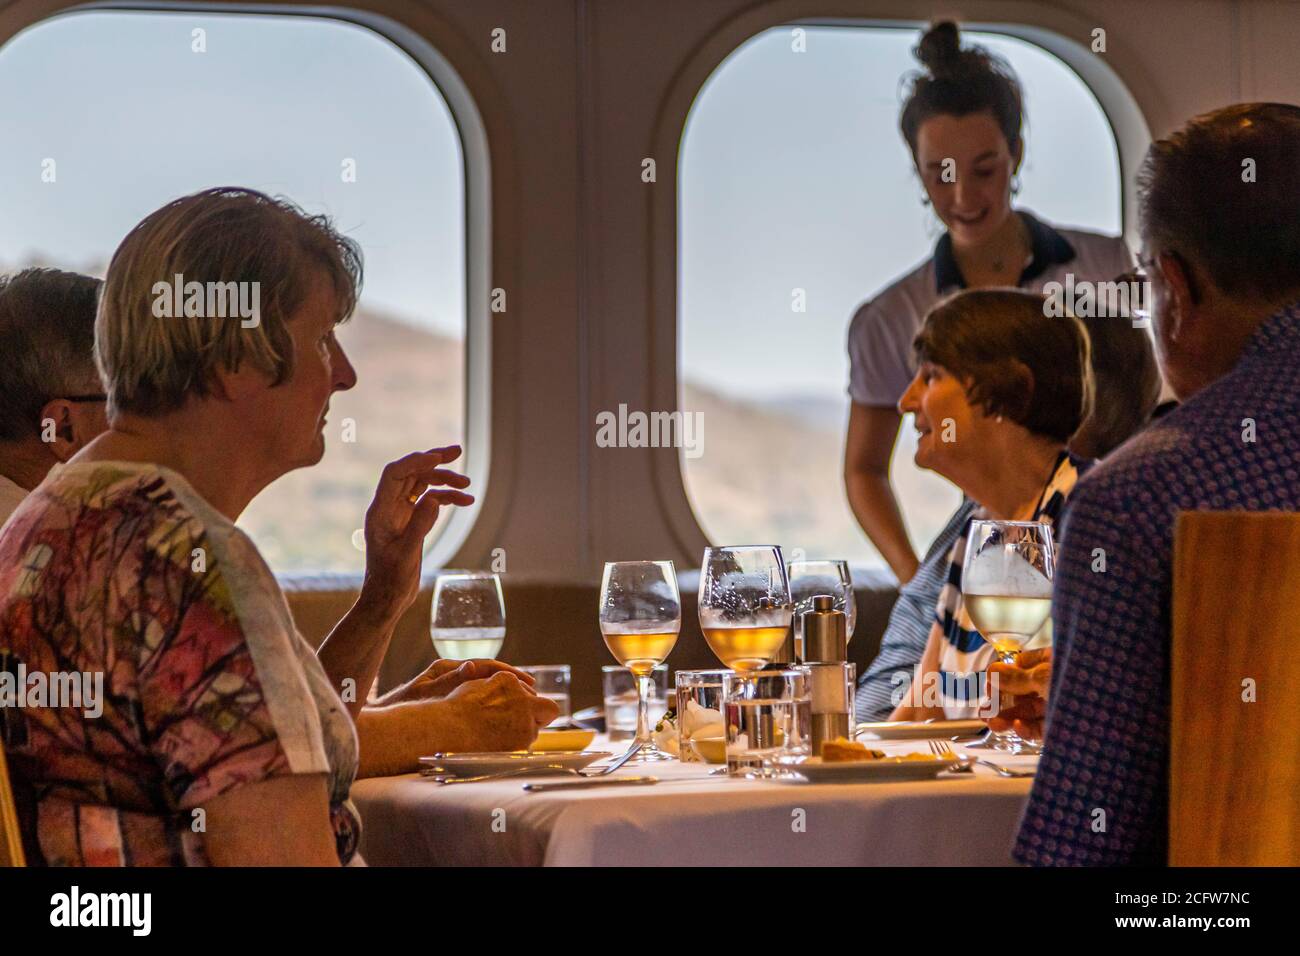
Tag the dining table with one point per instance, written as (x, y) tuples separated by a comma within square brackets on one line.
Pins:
[(693, 817)]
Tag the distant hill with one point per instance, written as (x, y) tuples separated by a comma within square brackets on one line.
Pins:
[(409, 395), (773, 471)]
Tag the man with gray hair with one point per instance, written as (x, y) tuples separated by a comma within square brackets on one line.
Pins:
[(51, 397), (1220, 223)]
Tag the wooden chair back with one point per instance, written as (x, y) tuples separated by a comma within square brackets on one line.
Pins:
[(1234, 796), (11, 840)]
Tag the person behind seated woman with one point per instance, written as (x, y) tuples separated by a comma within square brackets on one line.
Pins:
[(1000, 389), (1126, 390), (126, 563), (51, 399), (963, 121)]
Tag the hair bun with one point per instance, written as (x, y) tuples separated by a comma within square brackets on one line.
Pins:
[(939, 50)]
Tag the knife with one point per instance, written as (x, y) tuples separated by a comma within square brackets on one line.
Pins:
[(596, 782)]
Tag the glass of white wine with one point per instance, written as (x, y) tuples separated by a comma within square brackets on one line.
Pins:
[(745, 608), (640, 618), (811, 578), (469, 615), (1006, 584)]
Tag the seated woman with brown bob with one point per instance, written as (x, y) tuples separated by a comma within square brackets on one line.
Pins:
[(1000, 389)]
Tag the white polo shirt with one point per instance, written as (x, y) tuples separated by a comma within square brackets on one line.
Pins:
[(881, 363)]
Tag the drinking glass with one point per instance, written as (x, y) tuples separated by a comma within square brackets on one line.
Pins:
[(553, 681), (640, 617), (768, 717), (1006, 585), (811, 578), (620, 695), (469, 615), (744, 605), (699, 709)]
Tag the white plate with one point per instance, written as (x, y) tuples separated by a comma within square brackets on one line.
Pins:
[(472, 764), (868, 771), (919, 729)]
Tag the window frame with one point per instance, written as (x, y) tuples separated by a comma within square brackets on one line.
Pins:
[(476, 163)]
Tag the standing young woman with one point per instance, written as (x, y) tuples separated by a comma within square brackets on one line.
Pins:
[(963, 117)]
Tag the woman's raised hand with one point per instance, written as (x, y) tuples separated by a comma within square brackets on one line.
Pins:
[(410, 493)]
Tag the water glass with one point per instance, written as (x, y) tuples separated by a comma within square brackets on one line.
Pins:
[(699, 709), (620, 687), (553, 681), (468, 617), (768, 717)]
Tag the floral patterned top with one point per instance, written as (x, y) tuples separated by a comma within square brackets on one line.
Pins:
[(121, 572)]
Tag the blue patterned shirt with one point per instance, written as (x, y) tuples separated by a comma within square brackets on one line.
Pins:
[(1108, 716), (890, 674)]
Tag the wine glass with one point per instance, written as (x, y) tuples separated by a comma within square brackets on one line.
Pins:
[(640, 617), (1006, 585), (469, 615), (745, 608), (810, 578)]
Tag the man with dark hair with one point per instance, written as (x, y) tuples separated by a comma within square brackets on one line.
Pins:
[(51, 398), (1220, 224)]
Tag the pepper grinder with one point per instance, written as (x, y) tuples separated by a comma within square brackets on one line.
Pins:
[(825, 643)]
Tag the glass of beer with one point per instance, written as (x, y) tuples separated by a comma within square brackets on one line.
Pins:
[(745, 608), (469, 615), (640, 617), (1006, 584)]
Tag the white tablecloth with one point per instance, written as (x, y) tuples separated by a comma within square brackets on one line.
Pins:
[(690, 818)]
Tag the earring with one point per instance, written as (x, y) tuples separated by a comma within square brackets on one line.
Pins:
[(998, 419), (1015, 185)]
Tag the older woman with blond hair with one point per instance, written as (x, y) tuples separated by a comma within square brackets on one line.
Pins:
[(1000, 389), (224, 737)]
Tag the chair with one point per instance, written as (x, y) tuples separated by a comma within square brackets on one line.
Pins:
[(11, 841), (1234, 795)]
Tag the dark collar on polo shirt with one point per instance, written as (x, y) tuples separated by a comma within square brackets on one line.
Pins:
[(1050, 248)]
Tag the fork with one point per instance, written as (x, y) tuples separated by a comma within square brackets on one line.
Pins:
[(941, 749), (549, 769)]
